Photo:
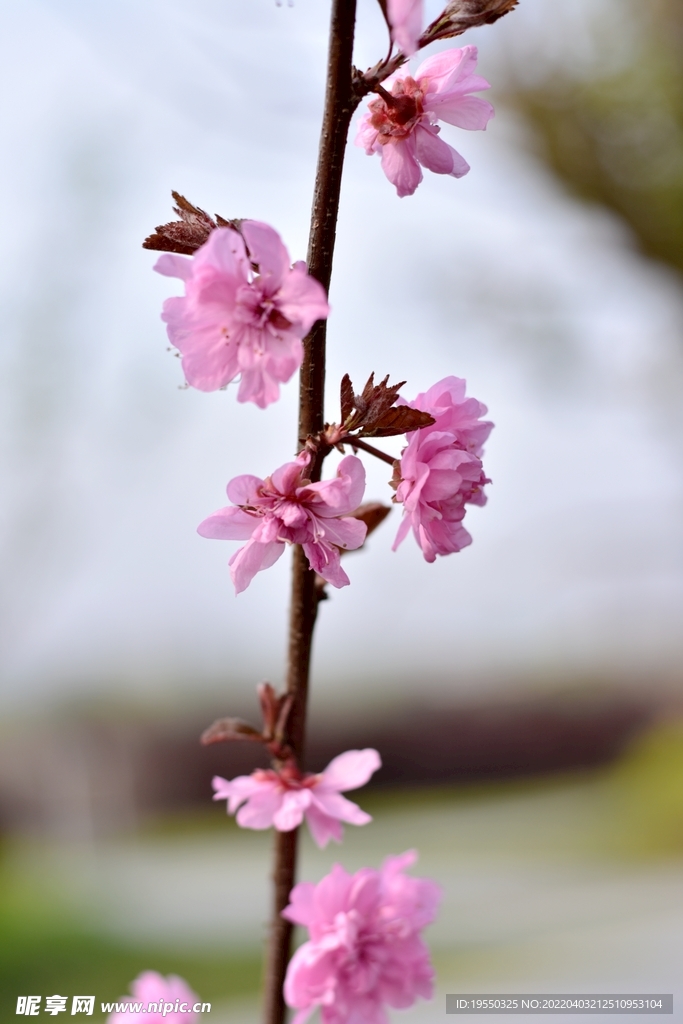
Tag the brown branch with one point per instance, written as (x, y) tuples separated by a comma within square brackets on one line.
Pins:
[(340, 102)]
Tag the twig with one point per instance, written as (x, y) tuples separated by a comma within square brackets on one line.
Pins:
[(340, 103), (357, 443)]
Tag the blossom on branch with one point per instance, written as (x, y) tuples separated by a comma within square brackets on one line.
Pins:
[(235, 319), (401, 124), (150, 987), (282, 799), (440, 470), (286, 508), (364, 950), (405, 20)]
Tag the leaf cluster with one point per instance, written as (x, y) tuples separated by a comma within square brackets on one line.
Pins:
[(187, 234), (374, 413)]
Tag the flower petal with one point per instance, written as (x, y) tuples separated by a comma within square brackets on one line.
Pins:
[(240, 789), (302, 299), (334, 805), (290, 814), (468, 112), (405, 18), (260, 809), (400, 165), (228, 524), (324, 559), (243, 490), (437, 156), (351, 770), (445, 69), (171, 264), (346, 533), (267, 249), (250, 559), (323, 827)]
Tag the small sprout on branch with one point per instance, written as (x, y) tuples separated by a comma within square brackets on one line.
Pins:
[(275, 711)]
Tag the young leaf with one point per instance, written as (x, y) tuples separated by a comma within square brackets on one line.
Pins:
[(185, 235), (461, 15), (372, 514), (399, 420), (378, 399), (225, 729), (346, 397)]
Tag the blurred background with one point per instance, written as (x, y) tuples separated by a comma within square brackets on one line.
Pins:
[(526, 694)]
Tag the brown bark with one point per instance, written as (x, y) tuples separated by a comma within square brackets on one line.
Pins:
[(339, 107)]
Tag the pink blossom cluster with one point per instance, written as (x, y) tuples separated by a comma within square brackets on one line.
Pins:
[(402, 126), (233, 321), (364, 950), (283, 798), (286, 508), (150, 987), (441, 470)]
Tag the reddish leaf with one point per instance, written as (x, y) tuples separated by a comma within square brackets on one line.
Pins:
[(399, 420), (371, 405), (185, 235), (225, 729), (380, 398), (190, 232), (372, 514), (461, 15), (235, 223), (270, 706), (346, 397)]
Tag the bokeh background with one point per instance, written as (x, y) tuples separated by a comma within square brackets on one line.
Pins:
[(526, 694)]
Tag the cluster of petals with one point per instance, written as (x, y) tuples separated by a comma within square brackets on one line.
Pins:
[(150, 987), (284, 798), (233, 321), (286, 508), (401, 124), (405, 19), (364, 950), (441, 470)]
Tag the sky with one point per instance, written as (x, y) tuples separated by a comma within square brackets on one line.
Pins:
[(108, 464)]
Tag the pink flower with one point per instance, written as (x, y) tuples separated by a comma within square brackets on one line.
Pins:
[(283, 799), (364, 950), (405, 18), (286, 508), (402, 124), (166, 993), (234, 321), (441, 470)]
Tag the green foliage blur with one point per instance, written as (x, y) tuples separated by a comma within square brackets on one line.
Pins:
[(616, 137), (45, 952)]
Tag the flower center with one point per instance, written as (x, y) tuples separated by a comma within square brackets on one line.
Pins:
[(260, 310), (395, 114), (288, 776)]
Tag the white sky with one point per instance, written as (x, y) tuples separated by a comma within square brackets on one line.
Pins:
[(572, 340)]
